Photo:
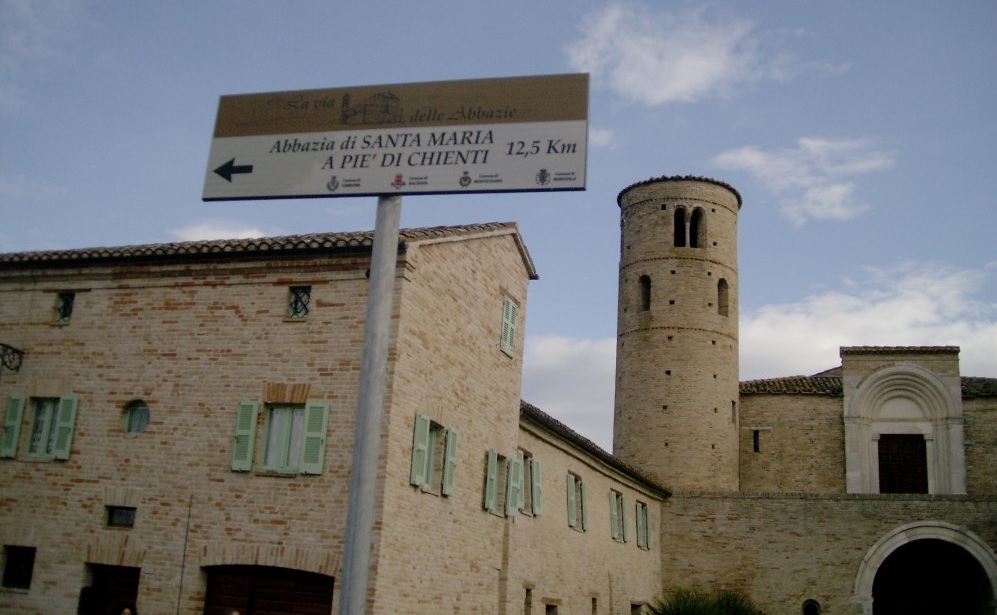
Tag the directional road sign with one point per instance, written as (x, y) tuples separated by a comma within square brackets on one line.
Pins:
[(483, 135)]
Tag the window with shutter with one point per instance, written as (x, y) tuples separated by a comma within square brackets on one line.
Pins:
[(514, 485), (52, 425), (12, 427), (510, 317), (450, 462), (434, 456), (245, 436), (316, 425), (643, 526), (64, 422), (491, 481), (577, 503), (535, 486)]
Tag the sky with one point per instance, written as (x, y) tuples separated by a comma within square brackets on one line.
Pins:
[(860, 135)]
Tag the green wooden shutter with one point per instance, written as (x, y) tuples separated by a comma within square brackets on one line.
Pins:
[(510, 314), (514, 485), (450, 462), (491, 480), (614, 518), (640, 525), (64, 421), (646, 524), (583, 496), (572, 503), (420, 451), (623, 519), (12, 427), (245, 436), (535, 474), (316, 426)]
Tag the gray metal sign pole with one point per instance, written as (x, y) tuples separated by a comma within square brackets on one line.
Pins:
[(370, 409)]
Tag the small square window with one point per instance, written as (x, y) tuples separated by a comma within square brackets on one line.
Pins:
[(120, 516), (64, 306), (136, 417), (18, 566), (298, 300)]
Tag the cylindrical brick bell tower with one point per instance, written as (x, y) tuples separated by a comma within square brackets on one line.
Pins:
[(676, 414)]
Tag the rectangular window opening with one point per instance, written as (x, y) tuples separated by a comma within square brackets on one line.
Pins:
[(755, 440), (298, 302), (903, 463), (577, 503), (120, 516), (64, 306), (18, 566), (510, 324)]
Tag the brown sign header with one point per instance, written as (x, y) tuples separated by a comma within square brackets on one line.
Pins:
[(443, 103)]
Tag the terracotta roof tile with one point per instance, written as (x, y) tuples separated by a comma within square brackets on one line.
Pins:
[(537, 415), (314, 242)]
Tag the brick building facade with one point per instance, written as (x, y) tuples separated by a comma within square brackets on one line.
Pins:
[(178, 426)]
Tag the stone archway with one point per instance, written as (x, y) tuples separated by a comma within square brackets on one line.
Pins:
[(948, 565)]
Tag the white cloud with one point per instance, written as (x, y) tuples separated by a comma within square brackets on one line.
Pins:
[(656, 57), (572, 380), (210, 230), (812, 179), (910, 305), (602, 137)]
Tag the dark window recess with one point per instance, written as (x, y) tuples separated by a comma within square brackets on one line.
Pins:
[(299, 299), (18, 566), (755, 440), (903, 463), (120, 516), (64, 306), (645, 293)]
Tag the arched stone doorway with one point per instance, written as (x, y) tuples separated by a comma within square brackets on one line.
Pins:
[(928, 567)]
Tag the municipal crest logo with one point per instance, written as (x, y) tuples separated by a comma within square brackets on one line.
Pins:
[(332, 184), (543, 177), (465, 180), (399, 182)]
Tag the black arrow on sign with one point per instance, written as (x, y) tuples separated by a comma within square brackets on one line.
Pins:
[(229, 169)]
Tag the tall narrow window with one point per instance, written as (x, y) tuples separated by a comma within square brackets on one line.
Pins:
[(298, 300), (679, 220), (510, 317), (643, 522), (617, 516), (64, 306), (723, 305), (697, 229), (645, 293), (52, 427), (903, 463), (577, 503), (434, 456)]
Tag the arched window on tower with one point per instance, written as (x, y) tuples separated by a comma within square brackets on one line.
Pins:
[(697, 228), (723, 305), (679, 227), (645, 293)]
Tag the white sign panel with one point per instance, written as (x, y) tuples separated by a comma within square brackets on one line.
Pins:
[(497, 135)]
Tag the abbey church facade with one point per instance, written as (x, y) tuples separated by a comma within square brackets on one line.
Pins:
[(178, 425)]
